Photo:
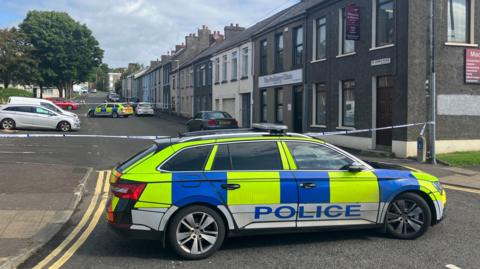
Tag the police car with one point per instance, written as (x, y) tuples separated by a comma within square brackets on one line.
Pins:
[(113, 110), (195, 190)]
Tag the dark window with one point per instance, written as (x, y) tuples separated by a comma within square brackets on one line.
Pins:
[(263, 105), (348, 103), (279, 52), (222, 160), (111, 105), (255, 156), (298, 46), (279, 105), (217, 115), (310, 156), (320, 104), (348, 46), (459, 21), (385, 22), (263, 57), (190, 159), (198, 115), (27, 109), (209, 74), (321, 39)]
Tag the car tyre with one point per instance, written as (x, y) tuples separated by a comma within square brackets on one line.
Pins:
[(408, 216), (114, 115), (90, 114), (64, 126), (196, 232), (8, 124)]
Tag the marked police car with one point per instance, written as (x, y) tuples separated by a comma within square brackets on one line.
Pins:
[(195, 190)]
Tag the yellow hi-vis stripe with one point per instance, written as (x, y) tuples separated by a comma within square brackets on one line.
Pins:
[(255, 188), (209, 164), (289, 157), (283, 156), (349, 187)]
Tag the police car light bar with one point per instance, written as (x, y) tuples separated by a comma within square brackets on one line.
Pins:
[(270, 127)]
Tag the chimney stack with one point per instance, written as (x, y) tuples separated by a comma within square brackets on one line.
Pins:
[(232, 30)]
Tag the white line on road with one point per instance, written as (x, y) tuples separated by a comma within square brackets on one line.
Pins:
[(451, 266), (16, 152)]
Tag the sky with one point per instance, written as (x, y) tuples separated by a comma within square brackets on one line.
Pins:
[(142, 30)]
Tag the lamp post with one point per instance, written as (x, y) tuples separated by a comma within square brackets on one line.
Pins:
[(432, 84)]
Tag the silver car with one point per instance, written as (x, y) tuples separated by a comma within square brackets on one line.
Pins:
[(144, 109), (13, 116)]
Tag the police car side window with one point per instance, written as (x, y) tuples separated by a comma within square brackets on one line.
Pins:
[(310, 156), (190, 159), (222, 161), (255, 156)]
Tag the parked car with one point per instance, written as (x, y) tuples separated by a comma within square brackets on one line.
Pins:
[(208, 120), (144, 109), (13, 116), (113, 97), (64, 104), (133, 101), (113, 110), (42, 102), (93, 90)]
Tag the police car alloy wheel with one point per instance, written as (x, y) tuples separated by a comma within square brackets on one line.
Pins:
[(196, 232), (408, 216), (8, 124)]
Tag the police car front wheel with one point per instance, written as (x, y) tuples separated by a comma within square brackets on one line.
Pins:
[(196, 232), (408, 216)]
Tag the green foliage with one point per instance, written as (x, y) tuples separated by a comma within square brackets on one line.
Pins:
[(468, 158), (16, 63), (7, 92), (66, 51)]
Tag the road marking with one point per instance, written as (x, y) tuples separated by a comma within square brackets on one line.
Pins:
[(471, 190), (16, 152), (98, 188), (451, 266), (99, 212)]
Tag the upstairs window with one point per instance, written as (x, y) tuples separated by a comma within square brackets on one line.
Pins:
[(320, 39), (298, 46), (459, 12), (384, 22), (346, 46), (263, 57), (245, 62), (224, 68), (234, 65), (217, 70), (279, 53)]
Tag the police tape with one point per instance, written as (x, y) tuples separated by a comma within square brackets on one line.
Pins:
[(154, 137)]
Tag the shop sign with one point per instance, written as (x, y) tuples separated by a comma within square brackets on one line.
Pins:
[(381, 61), (472, 66), (285, 78), (352, 18)]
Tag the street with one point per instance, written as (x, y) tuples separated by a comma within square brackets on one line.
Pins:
[(453, 241)]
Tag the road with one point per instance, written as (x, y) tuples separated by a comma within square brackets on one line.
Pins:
[(454, 241)]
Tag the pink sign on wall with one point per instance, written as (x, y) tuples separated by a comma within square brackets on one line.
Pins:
[(472, 66)]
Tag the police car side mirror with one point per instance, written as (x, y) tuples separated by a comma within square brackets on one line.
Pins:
[(355, 168)]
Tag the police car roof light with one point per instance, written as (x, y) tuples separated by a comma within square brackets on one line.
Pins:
[(270, 127)]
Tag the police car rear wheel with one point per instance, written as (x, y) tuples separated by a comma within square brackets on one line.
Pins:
[(408, 216), (114, 115), (196, 232)]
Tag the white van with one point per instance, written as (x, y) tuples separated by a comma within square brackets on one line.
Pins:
[(40, 102)]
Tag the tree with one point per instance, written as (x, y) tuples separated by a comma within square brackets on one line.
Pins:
[(16, 64), (66, 51)]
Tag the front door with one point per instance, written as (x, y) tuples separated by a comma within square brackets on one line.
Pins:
[(246, 110), (297, 109), (384, 111), (330, 195), (260, 193)]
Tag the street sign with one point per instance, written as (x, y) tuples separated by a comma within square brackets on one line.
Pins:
[(472, 66), (352, 22)]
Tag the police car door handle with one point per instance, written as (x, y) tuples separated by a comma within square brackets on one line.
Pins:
[(231, 186), (308, 185)]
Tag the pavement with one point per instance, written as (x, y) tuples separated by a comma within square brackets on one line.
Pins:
[(47, 164)]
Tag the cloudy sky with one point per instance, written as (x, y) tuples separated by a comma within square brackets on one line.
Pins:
[(142, 30)]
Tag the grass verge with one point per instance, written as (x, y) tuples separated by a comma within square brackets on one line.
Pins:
[(5, 93), (469, 158)]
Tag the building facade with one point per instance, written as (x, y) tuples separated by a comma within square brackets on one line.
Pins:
[(112, 79)]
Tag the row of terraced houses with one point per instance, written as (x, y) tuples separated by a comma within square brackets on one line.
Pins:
[(330, 65)]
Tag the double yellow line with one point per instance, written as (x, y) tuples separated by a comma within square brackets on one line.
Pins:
[(99, 194)]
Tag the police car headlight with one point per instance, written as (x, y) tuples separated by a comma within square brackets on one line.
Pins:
[(438, 186)]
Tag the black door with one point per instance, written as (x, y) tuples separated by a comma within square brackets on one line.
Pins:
[(246, 107), (384, 111), (297, 109)]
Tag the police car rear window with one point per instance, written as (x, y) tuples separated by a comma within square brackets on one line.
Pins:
[(190, 159), (135, 158)]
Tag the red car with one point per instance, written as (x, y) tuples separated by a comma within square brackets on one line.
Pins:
[(64, 104)]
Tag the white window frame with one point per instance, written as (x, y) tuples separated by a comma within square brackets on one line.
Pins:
[(374, 27), (340, 37), (217, 70), (204, 75), (245, 62), (234, 65), (224, 67), (471, 42), (314, 107), (340, 107)]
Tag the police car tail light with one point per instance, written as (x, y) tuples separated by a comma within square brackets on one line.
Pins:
[(129, 191), (212, 122)]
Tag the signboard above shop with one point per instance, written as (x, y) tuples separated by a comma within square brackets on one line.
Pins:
[(472, 66), (285, 78), (352, 22)]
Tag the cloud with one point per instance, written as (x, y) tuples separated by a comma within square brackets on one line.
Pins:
[(142, 30)]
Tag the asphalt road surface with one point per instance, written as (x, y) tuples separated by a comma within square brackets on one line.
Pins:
[(455, 241)]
